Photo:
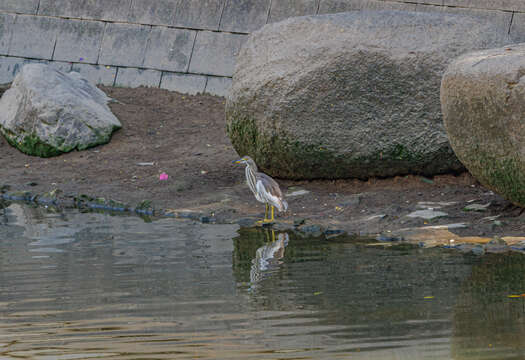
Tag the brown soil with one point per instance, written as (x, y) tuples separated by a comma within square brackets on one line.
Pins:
[(184, 136)]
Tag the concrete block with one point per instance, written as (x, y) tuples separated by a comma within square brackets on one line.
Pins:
[(6, 27), (214, 53), (508, 5), (203, 14), (19, 6), (133, 77), (282, 9), (460, 3), (65, 67), (9, 67), (335, 6), (428, 8), (169, 49), (118, 10), (517, 30), (219, 86), (244, 16), (124, 45), (500, 18), (158, 12), (33, 37), (79, 40), (97, 74), (183, 83), (427, 2)]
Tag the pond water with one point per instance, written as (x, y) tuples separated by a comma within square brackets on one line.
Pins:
[(86, 285)]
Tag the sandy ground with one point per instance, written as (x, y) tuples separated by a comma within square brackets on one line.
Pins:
[(184, 136)]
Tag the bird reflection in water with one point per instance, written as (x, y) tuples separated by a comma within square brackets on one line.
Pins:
[(268, 257)]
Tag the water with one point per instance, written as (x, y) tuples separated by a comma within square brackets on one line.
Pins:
[(85, 285)]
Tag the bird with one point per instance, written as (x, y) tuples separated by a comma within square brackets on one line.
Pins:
[(268, 257), (264, 188)]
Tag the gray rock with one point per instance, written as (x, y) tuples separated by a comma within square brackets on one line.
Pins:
[(427, 214), (476, 207), (482, 98), (47, 112), (350, 95)]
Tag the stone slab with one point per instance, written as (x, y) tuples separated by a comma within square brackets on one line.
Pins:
[(501, 19), (87, 9), (79, 40), (244, 16), (19, 6), (214, 53), (169, 49), (429, 2), (33, 36), (6, 27), (63, 66), (9, 67), (428, 8), (203, 14), (158, 12), (124, 45), (509, 5), (517, 29), (282, 9), (97, 74), (183, 83), (335, 6), (133, 77), (219, 86)]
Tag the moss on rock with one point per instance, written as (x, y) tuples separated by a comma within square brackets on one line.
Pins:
[(280, 155), (505, 176), (31, 145)]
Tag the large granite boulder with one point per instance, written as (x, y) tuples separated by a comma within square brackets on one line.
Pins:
[(350, 95), (47, 112), (483, 100)]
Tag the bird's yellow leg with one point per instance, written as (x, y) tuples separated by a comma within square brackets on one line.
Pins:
[(272, 214), (265, 220)]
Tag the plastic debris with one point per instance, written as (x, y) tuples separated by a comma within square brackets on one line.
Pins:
[(163, 177)]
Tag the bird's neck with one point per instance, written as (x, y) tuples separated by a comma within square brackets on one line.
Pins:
[(252, 167), (250, 171)]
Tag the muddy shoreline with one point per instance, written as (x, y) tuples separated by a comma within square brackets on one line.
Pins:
[(184, 137)]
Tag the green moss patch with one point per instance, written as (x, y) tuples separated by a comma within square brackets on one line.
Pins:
[(506, 176), (32, 145)]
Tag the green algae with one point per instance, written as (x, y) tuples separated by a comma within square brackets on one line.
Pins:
[(32, 145), (504, 175)]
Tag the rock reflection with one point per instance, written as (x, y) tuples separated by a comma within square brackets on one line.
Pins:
[(490, 310)]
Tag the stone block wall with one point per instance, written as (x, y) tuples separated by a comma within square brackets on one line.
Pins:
[(184, 45)]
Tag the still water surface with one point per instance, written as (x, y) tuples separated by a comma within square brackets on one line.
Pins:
[(85, 286)]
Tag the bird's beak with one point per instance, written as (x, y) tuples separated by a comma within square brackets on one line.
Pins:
[(236, 161)]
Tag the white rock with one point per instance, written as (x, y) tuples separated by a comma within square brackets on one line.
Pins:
[(47, 112)]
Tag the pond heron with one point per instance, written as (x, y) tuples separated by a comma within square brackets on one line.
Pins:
[(265, 189)]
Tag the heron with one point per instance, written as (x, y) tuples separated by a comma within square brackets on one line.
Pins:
[(264, 188)]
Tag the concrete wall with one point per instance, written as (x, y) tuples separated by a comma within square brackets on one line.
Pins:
[(183, 45)]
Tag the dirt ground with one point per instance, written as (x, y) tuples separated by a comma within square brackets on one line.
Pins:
[(184, 136)]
